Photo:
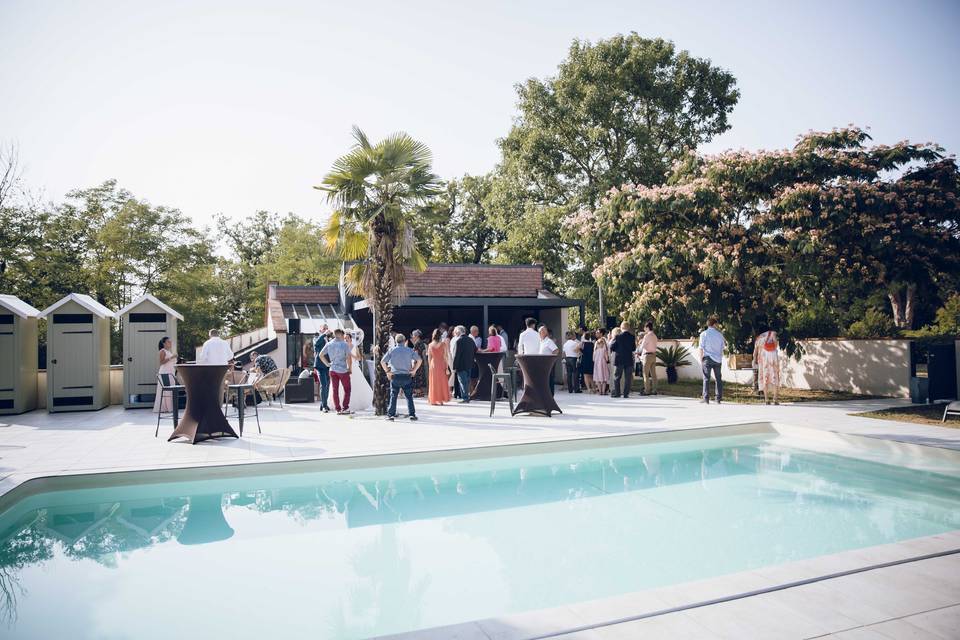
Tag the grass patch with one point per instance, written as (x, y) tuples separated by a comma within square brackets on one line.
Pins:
[(743, 393), (919, 414)]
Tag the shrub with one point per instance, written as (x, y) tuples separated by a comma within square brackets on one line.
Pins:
[(948, 318), (874, 324), (814, 321), (671, 358)]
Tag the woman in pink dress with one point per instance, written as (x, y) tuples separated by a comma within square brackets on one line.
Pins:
[(494, 341), (766, 360), (601, 362)]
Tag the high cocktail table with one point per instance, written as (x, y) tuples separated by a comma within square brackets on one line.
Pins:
[(536, 398), (484, 361), (203, 418)]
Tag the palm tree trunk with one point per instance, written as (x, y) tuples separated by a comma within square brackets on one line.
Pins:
[(383, 319)]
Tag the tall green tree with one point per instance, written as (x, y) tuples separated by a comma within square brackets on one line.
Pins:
[(619, 111), (249, 241), (467, 228), (299, 256), (376, 191)]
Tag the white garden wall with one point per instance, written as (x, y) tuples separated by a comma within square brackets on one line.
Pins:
[(874, 367)]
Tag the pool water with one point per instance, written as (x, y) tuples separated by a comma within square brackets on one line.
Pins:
[(354, 553)]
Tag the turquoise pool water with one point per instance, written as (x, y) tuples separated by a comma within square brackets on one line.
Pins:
[(362, 552)]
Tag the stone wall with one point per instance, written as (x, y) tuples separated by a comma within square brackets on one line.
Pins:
[(873, 367)]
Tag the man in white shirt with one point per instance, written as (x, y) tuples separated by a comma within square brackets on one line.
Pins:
[(571, 355), (548, 348), (503, 339), (529, 342), (216, 350)]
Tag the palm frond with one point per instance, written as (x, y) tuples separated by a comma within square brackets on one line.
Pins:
[(362, 141), (354, 278), (331, 232), (354, 245)]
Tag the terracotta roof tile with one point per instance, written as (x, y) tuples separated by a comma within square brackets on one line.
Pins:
[(475, 280), (319, 295), (275, 313)]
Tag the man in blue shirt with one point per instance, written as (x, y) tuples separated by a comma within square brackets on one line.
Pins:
[(323, 371), (712, 346), (401, 364)]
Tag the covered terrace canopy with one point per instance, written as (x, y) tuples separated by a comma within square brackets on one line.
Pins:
[(473, 294)]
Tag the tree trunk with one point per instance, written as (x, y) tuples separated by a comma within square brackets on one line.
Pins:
[(910, 306), (903, 306), (383, 327), (896, 306)]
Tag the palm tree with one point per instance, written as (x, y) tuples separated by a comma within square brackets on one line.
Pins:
[(376, 191)]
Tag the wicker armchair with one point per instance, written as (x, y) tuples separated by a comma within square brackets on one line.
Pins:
[(271, 385)]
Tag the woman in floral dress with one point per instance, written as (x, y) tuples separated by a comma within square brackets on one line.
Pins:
[(601, 362), (766, 360)]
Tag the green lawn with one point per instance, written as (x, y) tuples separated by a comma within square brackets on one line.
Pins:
[(920, 414), (733, 392)]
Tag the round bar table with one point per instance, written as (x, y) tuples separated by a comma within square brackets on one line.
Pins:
[(482, 390), (203, 418), (536, 396)]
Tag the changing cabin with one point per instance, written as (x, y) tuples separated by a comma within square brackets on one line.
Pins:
[(18, 355), (145, 322), (78, 354)]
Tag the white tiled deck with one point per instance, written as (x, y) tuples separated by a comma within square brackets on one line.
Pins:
[(917, 600)]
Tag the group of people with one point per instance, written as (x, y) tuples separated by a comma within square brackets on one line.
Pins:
[(591, 360), (216, 351), (766, 361), (453, 368), (338, 363)]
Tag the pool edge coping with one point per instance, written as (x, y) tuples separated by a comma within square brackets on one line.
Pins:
[(540, 624), (28, 484)]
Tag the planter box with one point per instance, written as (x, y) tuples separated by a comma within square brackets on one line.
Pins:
[(741, 361), (919, 390)]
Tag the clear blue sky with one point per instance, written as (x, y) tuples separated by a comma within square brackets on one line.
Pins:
[(236, 106)]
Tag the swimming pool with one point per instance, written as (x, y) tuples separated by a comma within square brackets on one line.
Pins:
[(368, 546)]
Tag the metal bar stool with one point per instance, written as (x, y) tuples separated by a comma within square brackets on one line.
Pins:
[(239, 391), (168, 385), (506, 380)]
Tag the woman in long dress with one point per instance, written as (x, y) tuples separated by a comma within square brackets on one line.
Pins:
[(168, 362), (766, 360), (361, 393), (586, 361), (438, 355), (601, 363)]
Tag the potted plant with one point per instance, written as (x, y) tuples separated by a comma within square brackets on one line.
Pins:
[(671, 358)]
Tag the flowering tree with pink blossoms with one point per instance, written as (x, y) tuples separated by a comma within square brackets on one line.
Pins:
[(751, 236)]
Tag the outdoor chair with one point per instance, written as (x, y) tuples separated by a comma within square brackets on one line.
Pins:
[(952, 409), (272, 385), (168, 385), (507, 381), (300, 389)]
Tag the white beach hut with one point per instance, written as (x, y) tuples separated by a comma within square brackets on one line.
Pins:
[(78, 354), (145, 321), (18, 355)]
